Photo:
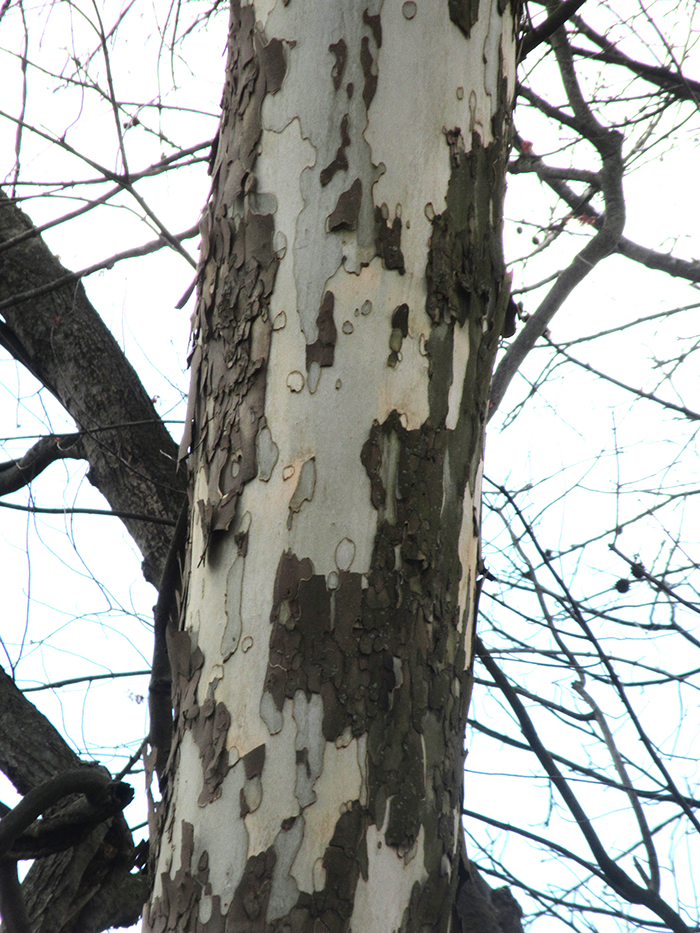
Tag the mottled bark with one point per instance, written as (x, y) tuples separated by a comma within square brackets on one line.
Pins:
[(351, 294), (62, 340)]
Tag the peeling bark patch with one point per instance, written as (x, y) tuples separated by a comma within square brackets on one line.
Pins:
[(465, 259), (322, 350), (209, 723), (252, 790), (186, 661), (464, 13), (388, 241), (250, 901), (266, 892), (384, 667), (290, 573), (384, 652), (375, 24), (305, 488), (273, 65), (340, 162), (466, 288), (370, 83), (295, 381), (210, 731), (345, 554), (179, 906), (347, 211), (339, 50), (267, 453), (399, 331), (236, 276)]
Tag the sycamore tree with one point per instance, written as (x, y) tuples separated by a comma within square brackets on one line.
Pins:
[(315, 541)]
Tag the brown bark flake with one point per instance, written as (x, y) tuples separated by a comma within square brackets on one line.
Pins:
[(340, 162), (339, 50), (370, 84), (347, 211), (386, 658), (322, 350), (464, 13), (209, 721), (399, 331), (465, 262), (388, 241), (236, 277)]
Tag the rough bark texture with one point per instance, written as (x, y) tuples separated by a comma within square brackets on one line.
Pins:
[(61, 339), (90, 887), (351, 296)]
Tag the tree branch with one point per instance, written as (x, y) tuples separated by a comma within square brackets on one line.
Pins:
[(537, 36), (64, 342), (618, 879), (105, 798), (15, 474), (31, 753)]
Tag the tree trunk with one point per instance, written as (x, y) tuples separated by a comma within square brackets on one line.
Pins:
[(351, 297)]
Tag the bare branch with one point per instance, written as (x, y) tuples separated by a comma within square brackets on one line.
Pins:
[(125, 516), (14, 474), (553, 22)]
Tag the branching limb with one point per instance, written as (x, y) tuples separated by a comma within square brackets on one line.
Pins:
[(677, 84), (556, 19), (22, 838), (615, 876), (638, 393), (654, 879), (60, 336), (608, 143), (12, 907), (580, 207), (136, 251), (15, 474)]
